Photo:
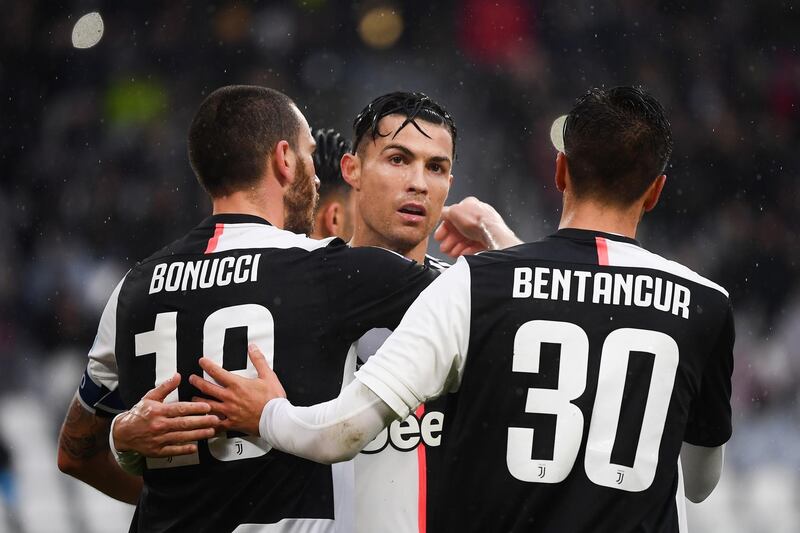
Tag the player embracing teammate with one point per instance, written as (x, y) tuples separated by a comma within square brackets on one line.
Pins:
[(574, 386), (568, 381)]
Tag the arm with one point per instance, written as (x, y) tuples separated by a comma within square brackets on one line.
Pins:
[(702, 468), (472, 226), (83, 450), (153, 428), (709, 424), (330, 432), (83, 453), (422, 359)]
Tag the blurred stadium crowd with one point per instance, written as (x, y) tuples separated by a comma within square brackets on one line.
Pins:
[(95, 173)]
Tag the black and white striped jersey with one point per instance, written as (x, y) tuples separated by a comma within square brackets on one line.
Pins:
[(578, 365), (232, 280), (395, 472)]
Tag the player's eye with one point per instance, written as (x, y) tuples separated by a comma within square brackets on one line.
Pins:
[(397, 159), (436, 167)]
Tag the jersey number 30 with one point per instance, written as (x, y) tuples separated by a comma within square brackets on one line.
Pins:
[(572, 374), (163, 341)]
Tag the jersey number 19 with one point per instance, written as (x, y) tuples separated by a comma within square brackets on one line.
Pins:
[(163, 341)]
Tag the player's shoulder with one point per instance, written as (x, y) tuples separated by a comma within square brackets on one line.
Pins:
[(617, 252), (521, 252), (350, 268), (265, 236), (210, 239), (626, 254), (365, 256)]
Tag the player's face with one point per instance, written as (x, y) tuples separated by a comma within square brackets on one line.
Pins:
[(301, 197), (404, 181)]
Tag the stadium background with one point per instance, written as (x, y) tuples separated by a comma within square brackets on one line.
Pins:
[(95, 176)]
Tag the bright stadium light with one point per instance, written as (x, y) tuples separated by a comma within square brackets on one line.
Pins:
[(381, 27), (88, 30), (557, 133)]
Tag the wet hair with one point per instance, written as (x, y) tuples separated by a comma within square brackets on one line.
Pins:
[(413, 106), (331, 146), (617, 141), (234, 131)]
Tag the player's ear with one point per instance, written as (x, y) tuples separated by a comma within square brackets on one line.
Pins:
[(332, 218), (283, 158), (561, 172), (351, 170), (653, 192)]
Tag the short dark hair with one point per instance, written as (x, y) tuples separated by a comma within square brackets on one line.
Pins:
[(413, 106), (233, 131), (617, 141), (331, 146)]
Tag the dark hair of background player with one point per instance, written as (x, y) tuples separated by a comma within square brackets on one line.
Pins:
[(331, 146), (617, 141), (233, 132), (413, 106)]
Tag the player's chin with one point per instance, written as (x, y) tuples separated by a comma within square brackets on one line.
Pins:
[(408, 236)]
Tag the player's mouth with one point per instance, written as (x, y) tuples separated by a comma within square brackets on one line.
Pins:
[(412, 212)]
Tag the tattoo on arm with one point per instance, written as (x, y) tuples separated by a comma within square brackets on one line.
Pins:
[(83, 434)]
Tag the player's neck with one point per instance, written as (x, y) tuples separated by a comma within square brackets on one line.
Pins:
[(363, 237), (599, 217), (247, 203)]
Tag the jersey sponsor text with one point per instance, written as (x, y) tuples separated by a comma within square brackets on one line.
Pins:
[(406, 435)]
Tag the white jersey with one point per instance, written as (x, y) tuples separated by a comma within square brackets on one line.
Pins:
[(391, 472)]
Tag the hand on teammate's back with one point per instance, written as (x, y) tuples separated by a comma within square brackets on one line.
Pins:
[(472, 226), (238, 400), (157, 429)]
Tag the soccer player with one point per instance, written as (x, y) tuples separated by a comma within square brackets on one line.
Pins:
[(334, 213), (241, 276), (398, 174), (399, 170), (581, 365)]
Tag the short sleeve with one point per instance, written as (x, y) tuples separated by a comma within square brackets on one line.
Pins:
[(426, 354), (710, 416), (98, 389), (371, 287)]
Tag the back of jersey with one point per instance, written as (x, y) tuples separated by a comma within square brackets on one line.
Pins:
[(224, 285), (590, 360), (231, 281)]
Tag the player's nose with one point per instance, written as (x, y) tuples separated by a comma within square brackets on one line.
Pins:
[(415, 179), (317, 183)]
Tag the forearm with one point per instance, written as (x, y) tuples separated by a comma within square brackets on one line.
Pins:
[(329, 432), (498, 235), (84, 454), (103, 473), (702, 468)]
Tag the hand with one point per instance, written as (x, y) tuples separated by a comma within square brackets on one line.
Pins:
[(157, 429), (472, 226), (239, 400)]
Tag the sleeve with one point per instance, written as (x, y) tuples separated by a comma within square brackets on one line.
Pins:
[(327, 432), (371, 287), (425, 355), (98, 389), (710, 415)]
